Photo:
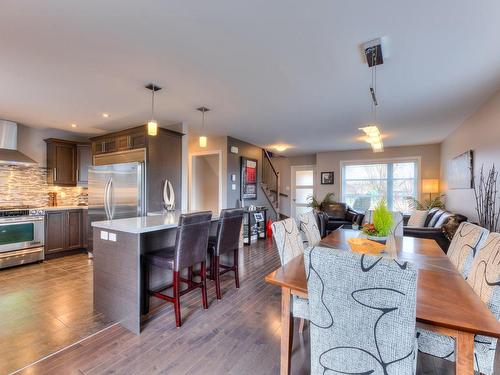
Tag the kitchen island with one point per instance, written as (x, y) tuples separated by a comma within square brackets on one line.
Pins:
[(118, 247)]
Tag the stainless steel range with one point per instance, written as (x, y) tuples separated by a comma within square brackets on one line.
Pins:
[(22, 236)]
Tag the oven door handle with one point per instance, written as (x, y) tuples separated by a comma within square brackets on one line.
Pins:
[(12, 221)]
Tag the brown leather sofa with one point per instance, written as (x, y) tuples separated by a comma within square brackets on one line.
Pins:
[(434, 226), (341, 215)]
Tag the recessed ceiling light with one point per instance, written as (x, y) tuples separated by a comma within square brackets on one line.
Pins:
[(105, 115), (73, 125)]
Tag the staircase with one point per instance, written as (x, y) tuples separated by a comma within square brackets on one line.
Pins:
[(270, 184)]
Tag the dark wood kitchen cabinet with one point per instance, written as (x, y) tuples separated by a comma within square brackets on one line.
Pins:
[(129, 139), (63, 230), (84, 161), (61, 162)]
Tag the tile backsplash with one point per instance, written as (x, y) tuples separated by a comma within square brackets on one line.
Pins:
[(28, 186)]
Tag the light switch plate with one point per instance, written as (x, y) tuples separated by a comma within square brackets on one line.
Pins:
[(233, 186), (233, 177), (104, 235), (234, 150), (112, 237)]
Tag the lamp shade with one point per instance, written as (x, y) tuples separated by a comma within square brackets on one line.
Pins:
[(203, 141), (152, 128), (430, 185)]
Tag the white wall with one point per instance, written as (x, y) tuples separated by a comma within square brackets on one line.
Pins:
[(480, 133), (30, 141), (331, 162)]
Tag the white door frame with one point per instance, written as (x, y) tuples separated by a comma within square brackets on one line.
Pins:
[(295, 168), (191, 166)]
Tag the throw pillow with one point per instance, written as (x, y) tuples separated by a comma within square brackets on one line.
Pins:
[(417, 218), (450, 227)]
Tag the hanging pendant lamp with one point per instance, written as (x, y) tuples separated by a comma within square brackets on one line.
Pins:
[(203, 138), (152, 124)]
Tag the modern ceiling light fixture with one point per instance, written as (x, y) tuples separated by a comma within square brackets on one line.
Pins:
[(203, 138), (105, 115), (281, 147), (152, 124), (374, 56)]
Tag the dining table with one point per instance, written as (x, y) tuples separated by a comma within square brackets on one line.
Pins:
[(446, 304)]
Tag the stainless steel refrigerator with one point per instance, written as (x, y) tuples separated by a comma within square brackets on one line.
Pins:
[(116, 191)]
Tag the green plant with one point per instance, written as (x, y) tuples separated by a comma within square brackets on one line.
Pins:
[(427, 204), (317, 205), (382, 219)]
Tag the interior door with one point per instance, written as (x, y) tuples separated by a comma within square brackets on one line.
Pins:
[(302, 188)]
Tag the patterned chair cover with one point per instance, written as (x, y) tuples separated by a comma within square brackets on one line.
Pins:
[(362, 313), (465, 245), (289, 243), (484, 278), (309, 226)]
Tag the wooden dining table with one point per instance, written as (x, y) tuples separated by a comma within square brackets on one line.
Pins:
[(446, 304)]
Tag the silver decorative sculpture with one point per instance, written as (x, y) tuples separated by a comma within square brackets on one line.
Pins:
[(168, 196)]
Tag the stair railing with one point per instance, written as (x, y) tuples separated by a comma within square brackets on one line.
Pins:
[(271, 178)]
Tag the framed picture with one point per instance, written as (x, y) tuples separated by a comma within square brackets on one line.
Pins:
[(248, 178), (327, 178), (460, 171), (259, 217)]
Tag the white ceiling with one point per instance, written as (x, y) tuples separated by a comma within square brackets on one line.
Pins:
[(285, 71)]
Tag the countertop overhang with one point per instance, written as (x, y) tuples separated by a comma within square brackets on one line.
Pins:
[(143, 224)]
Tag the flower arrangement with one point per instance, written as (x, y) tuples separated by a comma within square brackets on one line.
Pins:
[(382, 222)]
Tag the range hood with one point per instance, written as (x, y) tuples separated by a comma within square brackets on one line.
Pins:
[(8, 146)]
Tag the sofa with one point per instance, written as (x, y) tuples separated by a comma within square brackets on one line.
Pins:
[(340, 215), (438, 226)]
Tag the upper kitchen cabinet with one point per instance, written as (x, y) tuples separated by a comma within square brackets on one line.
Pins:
[(67, 162), (61, 162), (124, 140), (84, 161)]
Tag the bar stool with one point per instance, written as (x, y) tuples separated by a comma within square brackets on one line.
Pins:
[(226, 240), (189, 250)]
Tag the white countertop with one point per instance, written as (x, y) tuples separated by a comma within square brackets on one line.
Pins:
[(152, 222), (61, 208)]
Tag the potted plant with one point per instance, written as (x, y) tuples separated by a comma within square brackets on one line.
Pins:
[(316, 205), (382, 223)]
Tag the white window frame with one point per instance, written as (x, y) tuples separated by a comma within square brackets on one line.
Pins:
[(417, 159)]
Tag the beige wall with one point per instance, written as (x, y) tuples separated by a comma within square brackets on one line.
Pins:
[(480, 133), (215, 143), (330, 161), (206, 191)]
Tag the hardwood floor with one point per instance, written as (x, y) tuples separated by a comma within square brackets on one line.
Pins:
[(238, 335), (45, 307)]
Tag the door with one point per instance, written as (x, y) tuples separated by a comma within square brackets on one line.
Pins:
[(74, 229), (84, 157), (302, 188), (206, 184), (65, 164), (55, 228)]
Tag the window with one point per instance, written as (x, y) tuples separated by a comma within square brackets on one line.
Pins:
[(364, 184)]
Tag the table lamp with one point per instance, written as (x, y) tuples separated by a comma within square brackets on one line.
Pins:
[(430, 186)]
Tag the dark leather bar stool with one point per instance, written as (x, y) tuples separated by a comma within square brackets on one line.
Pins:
[(189, 250), (227, 240)]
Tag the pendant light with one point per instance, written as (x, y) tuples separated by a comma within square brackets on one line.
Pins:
[(152, 124), (373, 137), (203, 138)]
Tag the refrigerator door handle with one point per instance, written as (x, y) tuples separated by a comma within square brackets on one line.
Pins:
[(111, 194), (106, 199)]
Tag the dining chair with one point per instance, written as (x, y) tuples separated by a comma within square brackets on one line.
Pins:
[(465, 245), (362, 313), (289, 243), (484, 279), (226, 240), (190, 249), (309, 226)]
